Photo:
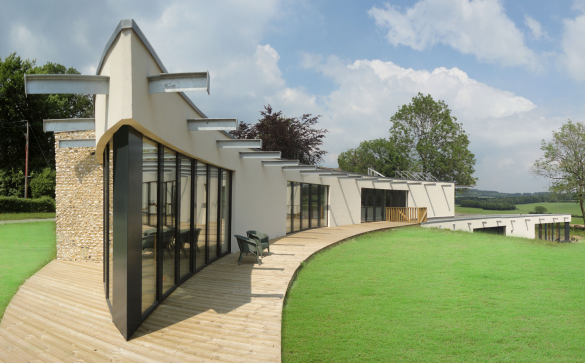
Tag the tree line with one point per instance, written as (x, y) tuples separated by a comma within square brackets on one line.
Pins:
[(424, 137), (15, 107)]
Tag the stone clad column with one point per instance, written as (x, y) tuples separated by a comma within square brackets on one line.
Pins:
[(79, 200)]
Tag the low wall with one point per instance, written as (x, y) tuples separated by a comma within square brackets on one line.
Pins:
[(517, 225)]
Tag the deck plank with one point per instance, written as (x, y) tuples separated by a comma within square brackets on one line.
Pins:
[(224, 313)]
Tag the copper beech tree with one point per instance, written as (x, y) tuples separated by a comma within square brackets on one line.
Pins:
[(295, 137)]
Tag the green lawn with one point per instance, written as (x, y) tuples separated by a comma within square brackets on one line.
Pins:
[(426, 295), (24, 249), (17, 216), (569, 208)]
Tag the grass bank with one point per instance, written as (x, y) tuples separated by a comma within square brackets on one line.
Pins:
[(19, 216), (415, 294), (24, 249)]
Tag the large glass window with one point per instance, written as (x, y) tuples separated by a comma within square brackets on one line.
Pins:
[(213, 212), (324, 205), (375, 202), (225, 210), (379, 195), (169, 209), (149, 223), (305, 195), (289, 189), (200, 214), (314, 205), (306, 206), (176, 212), (296, 211), (184, 239)]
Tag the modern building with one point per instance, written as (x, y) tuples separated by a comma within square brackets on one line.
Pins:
[(155, 190)]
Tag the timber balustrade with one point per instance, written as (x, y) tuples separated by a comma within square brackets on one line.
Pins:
[(409, 215)]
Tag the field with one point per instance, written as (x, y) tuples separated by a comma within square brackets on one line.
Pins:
[(24, 249), (568, 208), (17, 216), (423, 295)]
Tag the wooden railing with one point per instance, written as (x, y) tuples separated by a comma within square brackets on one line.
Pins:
[(409, 215)]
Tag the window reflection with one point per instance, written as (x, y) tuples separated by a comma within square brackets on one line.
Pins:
[(212, 222), (184, 239), (169, 185), (323, 210), (149, 222), (200, 214), (288, 206), (224, 219), (296, 211)]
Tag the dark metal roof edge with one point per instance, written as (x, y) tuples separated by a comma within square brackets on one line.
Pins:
[(131, 24)]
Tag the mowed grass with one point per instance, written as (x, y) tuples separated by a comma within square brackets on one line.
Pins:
[(426, 295), (19, 216), (24, 249), (563, 208)]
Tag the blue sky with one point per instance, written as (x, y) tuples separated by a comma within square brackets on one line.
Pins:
[(511, 71)]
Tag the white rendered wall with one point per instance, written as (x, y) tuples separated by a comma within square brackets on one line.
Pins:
[(516, 225), (259, 193)]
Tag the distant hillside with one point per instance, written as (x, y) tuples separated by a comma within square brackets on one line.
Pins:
[(493, 194)]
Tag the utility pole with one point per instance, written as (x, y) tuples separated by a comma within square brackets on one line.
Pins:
[(26, 165)]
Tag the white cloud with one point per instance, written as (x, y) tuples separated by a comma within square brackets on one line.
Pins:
[(535, 27), (572, 59), (480, 28)]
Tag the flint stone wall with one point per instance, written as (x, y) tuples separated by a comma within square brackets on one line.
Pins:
[(79, 200)]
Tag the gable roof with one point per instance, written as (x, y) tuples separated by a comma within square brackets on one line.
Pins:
[(131, 24)]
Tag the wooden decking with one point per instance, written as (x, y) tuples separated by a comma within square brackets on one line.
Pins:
[(225, 313)]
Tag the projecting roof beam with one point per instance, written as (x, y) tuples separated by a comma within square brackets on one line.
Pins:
[(333, 174), (66, 83), (212, 124), (69, 124), (350, 177), (280, 163), (259, 154), (76, 143), (178, 82), (316, 171), (239, 144), (300, 167)]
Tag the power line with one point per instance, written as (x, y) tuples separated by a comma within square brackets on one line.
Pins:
[(33, 132)]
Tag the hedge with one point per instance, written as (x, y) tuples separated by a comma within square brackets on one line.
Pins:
[(487, 205), (21, 205)]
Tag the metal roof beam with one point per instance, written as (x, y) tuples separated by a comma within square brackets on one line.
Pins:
[(69, 124), (280, 163), (76, 143), (66, 84), (212, 124), (239, 144), (300, 167), (260, 155), (178, 82)]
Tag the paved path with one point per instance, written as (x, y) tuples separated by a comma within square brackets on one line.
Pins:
[(226, 313)]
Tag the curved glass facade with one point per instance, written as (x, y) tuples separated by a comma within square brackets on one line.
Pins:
[(166, 216)]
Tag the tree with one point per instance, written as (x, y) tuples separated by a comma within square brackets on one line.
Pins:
[(296, 138), (564, 161), (433, 140), (540, 210), (15, 106), (379, 154)]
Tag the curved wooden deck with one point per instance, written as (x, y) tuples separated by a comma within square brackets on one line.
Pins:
[(225, 313)]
